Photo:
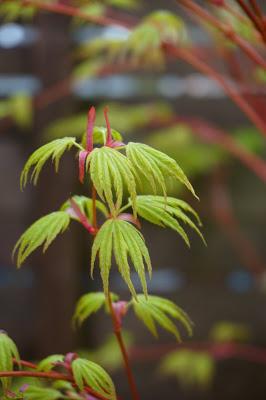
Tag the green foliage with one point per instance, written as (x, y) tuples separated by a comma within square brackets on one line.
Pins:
[(191, 368), (8, 351), (146, 39), (41, 232), (88, 304), (109, 171), (224, 331), (126, 242), (91, 374), (157, 310), (155, 166), (12, 10), (54, 150), (41, 393), (85, 205), (48, 363), (166, 212)]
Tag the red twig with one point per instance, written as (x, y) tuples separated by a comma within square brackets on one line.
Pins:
[(72, 12), (227, 30), (256, 21), (224, 215), (47, 375), (206, 69), (219, 351), (82, 217), (119, 337)]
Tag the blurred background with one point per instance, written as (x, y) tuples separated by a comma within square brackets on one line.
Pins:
[(221, 286)]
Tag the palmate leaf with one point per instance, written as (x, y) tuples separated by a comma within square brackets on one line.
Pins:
[(88, 304), (167, 212), (41, 393), (54, 150), (110, 171), (41, 232), (127, 243), (91, 374), (155, 166), (8, 351), (157, 310), (85, 205), (48, 363)]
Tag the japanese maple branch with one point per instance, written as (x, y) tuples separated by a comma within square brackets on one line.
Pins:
[(47, 375), (65, 9), (119, 337), (206, 69), (256, 21), (227, 30)]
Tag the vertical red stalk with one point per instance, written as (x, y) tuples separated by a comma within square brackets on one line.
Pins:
[(91, 121), (108, 126), (119, 337)]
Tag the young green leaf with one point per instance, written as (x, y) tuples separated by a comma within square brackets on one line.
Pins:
[(49, 362), (54, 150), (8, 351), (110, 171), (41, 232), (126, 242), (86, 372), (88, 304), (41, 393), (155, 166), (156, 309), (167, 212), (85, 205)]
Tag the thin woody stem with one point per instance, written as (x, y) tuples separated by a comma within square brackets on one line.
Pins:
[(72, 12), (91, 121), (119, 337), (226, 29), (253, 18), (47, 375), (206, 69)]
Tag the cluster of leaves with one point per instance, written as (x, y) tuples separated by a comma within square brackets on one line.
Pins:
[(150, 310), (113, 175), (85, 374), (142, 45)]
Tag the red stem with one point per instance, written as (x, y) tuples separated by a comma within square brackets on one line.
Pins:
[(47, 375), (91, 121), (253, 18), (72, 12), (82, 217), (206, 69), (119, 337), (227, 30), (94, 210)]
